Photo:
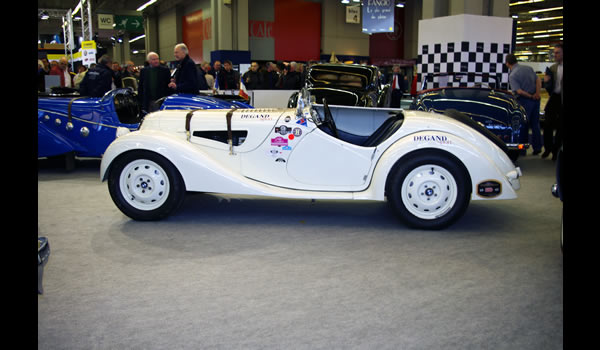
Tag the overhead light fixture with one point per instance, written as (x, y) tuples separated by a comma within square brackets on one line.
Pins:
[(141, 8), (547, 10), (524, 2), (77, 8), (45, 15), (137, 38)]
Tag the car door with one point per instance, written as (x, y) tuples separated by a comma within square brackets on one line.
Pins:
[(323, 162), (297, 155)]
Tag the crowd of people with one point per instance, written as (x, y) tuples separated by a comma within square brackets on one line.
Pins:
[(156, 80), (526, 86), (188, 76)]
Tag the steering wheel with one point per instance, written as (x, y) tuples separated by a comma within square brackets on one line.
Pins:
[(328, 119)]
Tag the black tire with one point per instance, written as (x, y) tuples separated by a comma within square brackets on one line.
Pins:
[(429, 189), (145, 185)]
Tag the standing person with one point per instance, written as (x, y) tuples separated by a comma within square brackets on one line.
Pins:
[(291, 79), (131, 71), (202, 83), (252, 78), (229, 79), (81, 70), (62, 70), (117, 75), (185, 80), (154, 82), (41, 74), (553, 83), (270, 76), (210, 79), (526, 86), (98, 80), (396, 86), (216, 69)]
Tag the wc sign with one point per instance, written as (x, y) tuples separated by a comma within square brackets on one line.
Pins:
[(105, 21)]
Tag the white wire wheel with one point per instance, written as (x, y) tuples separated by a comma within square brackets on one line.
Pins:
[(429, 189), (145, 185)]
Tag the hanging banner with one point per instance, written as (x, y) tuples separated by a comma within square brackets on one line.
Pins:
[(378, 16), (353, 14), (88, 52)]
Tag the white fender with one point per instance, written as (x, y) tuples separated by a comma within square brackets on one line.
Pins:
[(480, 166)]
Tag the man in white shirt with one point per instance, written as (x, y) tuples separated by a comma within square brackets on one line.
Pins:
[(396, 86), (553, 83)]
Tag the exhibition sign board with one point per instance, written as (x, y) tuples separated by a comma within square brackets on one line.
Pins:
[(353, 14), (88, 52), (129, 23), (378, 16), (105, 21)]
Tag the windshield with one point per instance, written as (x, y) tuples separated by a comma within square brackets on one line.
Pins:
[(304, 107)]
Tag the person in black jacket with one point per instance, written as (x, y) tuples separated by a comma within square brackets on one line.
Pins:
[(98, 80), (252, 78), (291, 79), (185, 80), (229, 78), (154, 81)]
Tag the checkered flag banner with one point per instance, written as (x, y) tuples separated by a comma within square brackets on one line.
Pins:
[(484, 59)]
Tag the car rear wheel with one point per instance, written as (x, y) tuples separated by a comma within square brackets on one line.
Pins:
[(429, 190), (145, 186)]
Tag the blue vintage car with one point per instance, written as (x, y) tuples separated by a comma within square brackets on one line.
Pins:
[(496, 109), (73, 125)]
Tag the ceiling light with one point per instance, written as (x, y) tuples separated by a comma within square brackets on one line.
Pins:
[(137, 38), (546, 10), (524, 2), (141, 8), (77, 8)]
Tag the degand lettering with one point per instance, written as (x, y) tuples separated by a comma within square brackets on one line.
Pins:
[(256, 116), (434, 138)]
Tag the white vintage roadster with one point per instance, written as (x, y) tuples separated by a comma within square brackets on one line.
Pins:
[(428, 166)]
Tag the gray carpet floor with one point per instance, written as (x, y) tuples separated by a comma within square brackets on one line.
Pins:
[(256, 273)]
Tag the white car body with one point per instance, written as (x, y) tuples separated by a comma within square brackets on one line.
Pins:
[(310, 164)]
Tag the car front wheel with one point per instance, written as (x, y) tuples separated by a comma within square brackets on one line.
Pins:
[(429, 190), (145, 186)]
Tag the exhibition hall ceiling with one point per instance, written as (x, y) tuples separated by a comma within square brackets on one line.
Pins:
[(539, 23), (539, 27)]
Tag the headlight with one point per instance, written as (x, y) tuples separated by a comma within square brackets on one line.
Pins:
[(121, 131)]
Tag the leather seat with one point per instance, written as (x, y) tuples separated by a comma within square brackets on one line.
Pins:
[(384, 131)]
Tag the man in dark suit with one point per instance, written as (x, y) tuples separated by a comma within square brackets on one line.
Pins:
[(553, 83), (185, 80), (154, 81)]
